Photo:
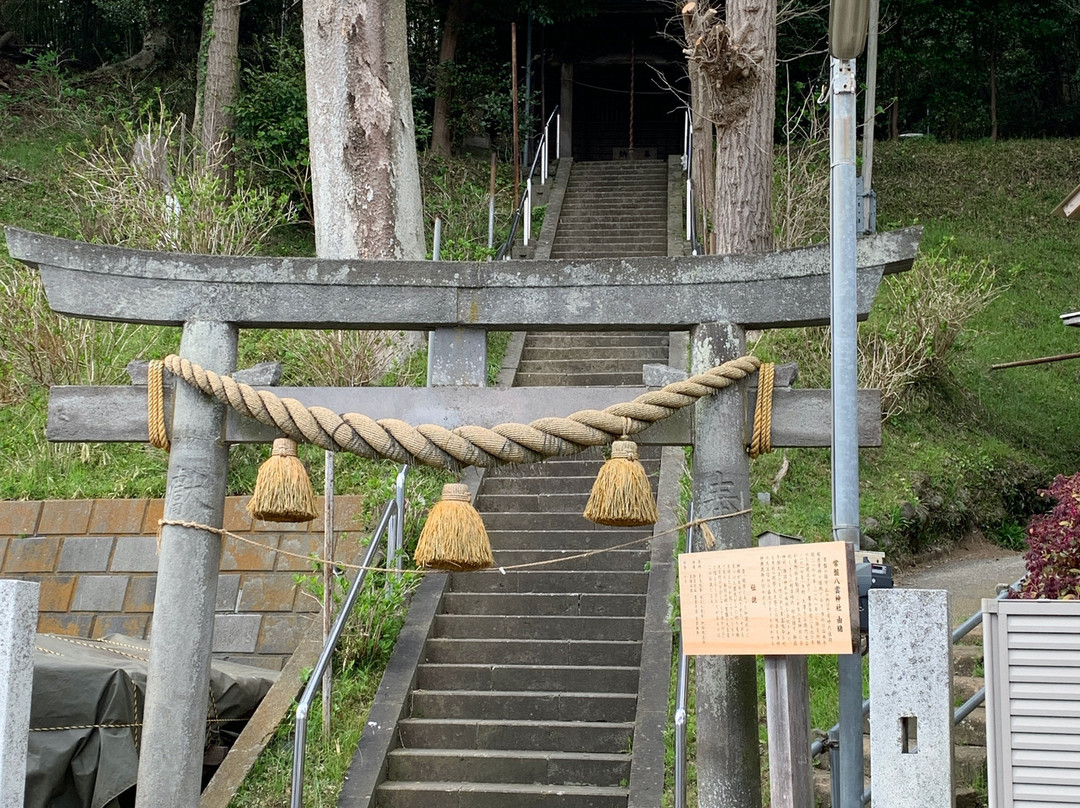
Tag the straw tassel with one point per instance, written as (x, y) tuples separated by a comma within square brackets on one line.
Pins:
[(283, 490), (621, 495), (454, 538)]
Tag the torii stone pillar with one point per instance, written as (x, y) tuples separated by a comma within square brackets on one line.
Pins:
[(178, 677)]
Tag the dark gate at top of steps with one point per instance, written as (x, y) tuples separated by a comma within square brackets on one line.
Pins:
[(716, 298)]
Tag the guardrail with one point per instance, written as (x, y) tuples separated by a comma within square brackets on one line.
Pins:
[(392, 523), (524, 208)]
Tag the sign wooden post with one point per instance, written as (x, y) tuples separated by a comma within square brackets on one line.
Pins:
[(213, 296)]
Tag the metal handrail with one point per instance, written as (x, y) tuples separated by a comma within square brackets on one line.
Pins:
[(393, 520), (681, 695), (688, 166), (524, 208)]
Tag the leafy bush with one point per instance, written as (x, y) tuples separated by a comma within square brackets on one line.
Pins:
[(1053, 556)]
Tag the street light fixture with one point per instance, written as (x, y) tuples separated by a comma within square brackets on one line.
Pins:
[(848, 23)]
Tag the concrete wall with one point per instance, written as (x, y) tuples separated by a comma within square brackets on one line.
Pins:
[(96, 562)]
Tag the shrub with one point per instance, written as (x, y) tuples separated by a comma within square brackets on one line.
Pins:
[(1053, 555)]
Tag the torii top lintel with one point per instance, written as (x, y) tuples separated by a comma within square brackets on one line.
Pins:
[(765, 290)]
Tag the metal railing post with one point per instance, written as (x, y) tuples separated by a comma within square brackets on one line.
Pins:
[(399, 523), (526, 225), (558, 135), (681, 690)]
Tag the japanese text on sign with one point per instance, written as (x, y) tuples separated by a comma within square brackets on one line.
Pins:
[(769, 600)]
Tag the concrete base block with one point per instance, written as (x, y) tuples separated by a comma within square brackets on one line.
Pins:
[(18, 620)]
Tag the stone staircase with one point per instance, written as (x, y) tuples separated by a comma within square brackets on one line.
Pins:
[(614, 209), (527, 691)]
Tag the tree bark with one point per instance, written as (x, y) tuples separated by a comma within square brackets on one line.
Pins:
[(364, 173), (703, 167), (742, 210), (440, 121), (221, 85)]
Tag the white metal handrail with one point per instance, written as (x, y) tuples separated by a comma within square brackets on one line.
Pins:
[(392, 523), (681, 695), (541, 161)]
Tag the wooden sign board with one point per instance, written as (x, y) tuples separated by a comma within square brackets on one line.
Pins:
[(793, 599)]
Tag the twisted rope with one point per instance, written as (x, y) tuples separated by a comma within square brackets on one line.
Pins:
[(468, 445), (155, 406), (761, 437)]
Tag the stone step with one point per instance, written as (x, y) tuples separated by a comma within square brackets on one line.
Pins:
[(964, 687), (623, 191), (967, 660), (523, 705), (641, 230), (615, 252), (643, 353), (575, 559), (598, 213), (566, 603), (506, 766), (630, 366), (540, 520), (567, 678), (594, 339), (572, 502), (587, 238), (537, 627), (504, 486), (474, 651), (972, 730), (562, 736), (411, 794), (550, 582), (580, 379), (558, 540)]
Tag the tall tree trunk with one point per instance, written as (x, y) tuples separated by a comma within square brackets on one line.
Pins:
[(894, 113), (742, 211), (440, 121), (221, 85)]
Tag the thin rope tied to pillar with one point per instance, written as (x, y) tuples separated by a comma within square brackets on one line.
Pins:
[(761, 438), (468, 445), (155, 406)]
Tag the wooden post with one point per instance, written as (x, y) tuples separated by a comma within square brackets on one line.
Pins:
[(729, 764), (787, 706), (178, 677)]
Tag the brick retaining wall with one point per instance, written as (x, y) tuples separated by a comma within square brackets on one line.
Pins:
[(96, 561)]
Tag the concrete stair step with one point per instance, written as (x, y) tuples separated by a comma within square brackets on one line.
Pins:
[(639, 238), (539, 520), (523, 705), (561, 736), (558, 540), (643, 353), (630, 365), (967, 659), (580, 379), (551, 582), (585, 255), (410, 794), (562, 502), (638, 231), (964, 687), (614, 560), (537, 627), (972, 730), (473, 651), (596, 339), (566, 603), (566, 678), (598, 212), (508, 766)]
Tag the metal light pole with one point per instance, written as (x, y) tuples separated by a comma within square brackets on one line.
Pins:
[(848, 21)]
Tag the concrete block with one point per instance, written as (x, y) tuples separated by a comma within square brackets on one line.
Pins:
[(33, 554), (236, 633), (302, 544), (100, 593), (85, 554), (135, 554), (130, 625), (19, 518), (267, 592), (70, 625), (55, 591), (64, 516), (911, 740), (281, 633), (117, 516), (140, 594), (241, 555), (237, 519), (347, 512), (155, 509), (18, 618), (228, 588)]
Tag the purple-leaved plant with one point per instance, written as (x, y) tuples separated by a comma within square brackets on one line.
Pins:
[(1053, 555)]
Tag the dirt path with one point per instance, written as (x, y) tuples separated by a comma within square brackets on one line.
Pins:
[(970, 571)]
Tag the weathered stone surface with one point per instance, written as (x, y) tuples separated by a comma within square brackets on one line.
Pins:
[(761, 290), (18, 616), (100, 593), (85, 554), (135, 554)]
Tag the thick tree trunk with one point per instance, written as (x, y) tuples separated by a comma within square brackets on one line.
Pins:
[(440, 121), (702, 168), (221, 84), (364, 173), (742, 211)]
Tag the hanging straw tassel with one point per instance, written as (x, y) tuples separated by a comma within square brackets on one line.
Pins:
[(621, 495), (454, 538), (283, 490)]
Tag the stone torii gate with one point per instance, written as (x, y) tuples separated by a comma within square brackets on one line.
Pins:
[(715, 298)]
